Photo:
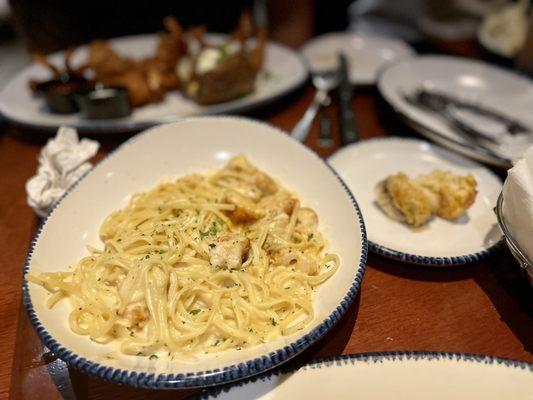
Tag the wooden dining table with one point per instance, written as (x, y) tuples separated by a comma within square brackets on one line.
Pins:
[(481, 308)]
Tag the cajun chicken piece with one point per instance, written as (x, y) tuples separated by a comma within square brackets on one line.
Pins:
[(297, 260), (307, 219), (228, 251), (252, 177), (245, 209), (136, 313)]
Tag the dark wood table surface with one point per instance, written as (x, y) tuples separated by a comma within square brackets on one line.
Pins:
[(482, 308)]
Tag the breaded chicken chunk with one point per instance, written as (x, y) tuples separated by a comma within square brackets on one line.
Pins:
[(416, 205), (457, 193), (416, 201)]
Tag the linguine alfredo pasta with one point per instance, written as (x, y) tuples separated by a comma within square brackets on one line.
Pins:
[(206, 263)]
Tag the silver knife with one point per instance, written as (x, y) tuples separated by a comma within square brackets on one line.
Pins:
[(348, 126)]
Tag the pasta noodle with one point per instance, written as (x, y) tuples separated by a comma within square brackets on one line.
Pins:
[(207, 263)]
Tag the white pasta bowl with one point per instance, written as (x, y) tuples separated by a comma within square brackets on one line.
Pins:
[(172, 151)]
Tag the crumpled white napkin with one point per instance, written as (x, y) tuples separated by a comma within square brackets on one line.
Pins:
[(62, 162), (518, 202)]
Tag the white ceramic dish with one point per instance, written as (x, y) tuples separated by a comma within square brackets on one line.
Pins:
[(384, 376), (285, 72), (440, 242), (366, 54), (470, 80), (173, 150)]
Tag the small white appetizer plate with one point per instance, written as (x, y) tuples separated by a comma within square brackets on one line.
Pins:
[(440, 242), (468, 80), (366, 54), (384, 376), (283, 71), (172, 150)]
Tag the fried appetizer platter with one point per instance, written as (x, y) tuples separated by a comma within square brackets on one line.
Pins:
[(146, 80), (183, 60), (416, 201)]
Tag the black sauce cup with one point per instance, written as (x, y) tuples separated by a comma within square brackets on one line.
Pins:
[(59, 93), (104, 103)]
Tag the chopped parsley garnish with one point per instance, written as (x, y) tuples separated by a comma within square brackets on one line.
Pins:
[(212, 245), (274, 323), (132, 333), (212, 231), (195, 311), (153, 357), (309, 236), (140, 353)]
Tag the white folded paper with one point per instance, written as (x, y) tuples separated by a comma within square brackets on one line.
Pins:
[(62, 162), (518, 202)]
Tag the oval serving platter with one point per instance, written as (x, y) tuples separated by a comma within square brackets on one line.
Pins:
[(173, 150), (283, 72)]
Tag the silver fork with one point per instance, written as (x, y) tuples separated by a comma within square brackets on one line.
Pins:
[(324, 82)]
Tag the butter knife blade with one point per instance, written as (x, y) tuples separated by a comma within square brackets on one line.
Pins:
[(348, 126)]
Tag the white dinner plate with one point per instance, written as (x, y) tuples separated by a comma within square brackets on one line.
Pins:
[(366, 54), (440, 242), (172, 150), (385, 376), (284, 70), (470, 80)]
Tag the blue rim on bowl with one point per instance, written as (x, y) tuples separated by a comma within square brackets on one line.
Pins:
[(430, 260), (203, 378), (434, 261), (375, 357)]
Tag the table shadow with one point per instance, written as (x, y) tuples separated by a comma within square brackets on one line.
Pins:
[(508, 288), (502, 280)]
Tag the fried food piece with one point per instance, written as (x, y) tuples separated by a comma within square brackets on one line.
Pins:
[(105, 61), (457, 193), (139, 91), (416, 201), (161, 69), (146, 80), (411, 202), (66, 74)]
